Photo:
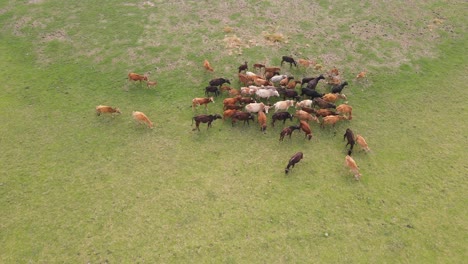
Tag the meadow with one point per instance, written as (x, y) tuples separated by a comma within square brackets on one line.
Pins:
[(78, 188)]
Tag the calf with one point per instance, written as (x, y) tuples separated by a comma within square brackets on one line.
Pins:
[(207, 66), (243, 67), (244, 116), (202, 101), (204, 119), (306, 128), (293, 160), (287, 131), (141, 118), (289, 60), (280, 116), (107, 109), (351, 164), (349, 135)]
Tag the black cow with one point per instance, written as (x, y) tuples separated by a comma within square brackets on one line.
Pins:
[(294, 159), (287, 131), (280, 116), (243, 67), (311, 93), (313, 83), (289, 60), (219, 82), (338, 88), (244, 116), (212, 89), (204, 119), (290, 93), (349, 135)]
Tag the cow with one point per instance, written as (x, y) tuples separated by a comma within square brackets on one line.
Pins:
[(293, 160), (289, 60), (202, 101), (349, 135), (204, 119), (311, 93), (303, 115), (141, 118), (257, 107), (351, 164), (280, 116), (283, 105), (137, 77), (212, 89), (100, 109), (322, 104), (266, 93), (244, 116), (228, 113), (262, 121), (313, 83), (306, 128), (219, 82), (287, 131)]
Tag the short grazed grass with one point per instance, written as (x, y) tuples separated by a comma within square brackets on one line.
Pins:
[(75, 187)]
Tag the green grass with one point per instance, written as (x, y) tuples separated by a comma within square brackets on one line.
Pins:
[(78, 188)]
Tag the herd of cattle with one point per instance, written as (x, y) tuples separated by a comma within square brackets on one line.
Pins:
[(253, 98)]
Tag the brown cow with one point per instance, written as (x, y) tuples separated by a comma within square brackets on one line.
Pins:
[(141, 118), (362, 142), (244, 116), (100, 109), (137, 77), (262, 120), (331, 120), (351, 164), (207, 66), (306, 128), (346, 110), (293, 160), (287, 131), (202, 101)]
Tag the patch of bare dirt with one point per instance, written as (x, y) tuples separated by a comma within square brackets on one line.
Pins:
[(60, 35)]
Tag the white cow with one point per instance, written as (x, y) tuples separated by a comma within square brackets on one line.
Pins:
[(283, 105), (256, 107)]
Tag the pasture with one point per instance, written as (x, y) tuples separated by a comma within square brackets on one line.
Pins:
[(80, 188)]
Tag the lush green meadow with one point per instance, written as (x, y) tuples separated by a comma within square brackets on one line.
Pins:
[(78, 188)]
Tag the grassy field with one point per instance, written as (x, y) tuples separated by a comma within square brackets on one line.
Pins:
[(77, 188)]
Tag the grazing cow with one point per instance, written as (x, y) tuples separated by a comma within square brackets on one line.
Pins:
[(207, 66), (349, 135), (331, 120), (289, 60), (257, 107), (137, 77), (262, 121), (100, 109), (204, 119), (362, 143), (266, 93), (311, 93), (293, 160), (283, 105), (338, 88), (245, 79), (280, 116), (212, 89), (219, 82), (141, 118), (272, 69), (303, 115), (202, 101), (243, 67), (306, 128), (287, 131), (351, 164), (346, 110), (258, 66), (313, 83), (244, 116), (233, 107), (309, 110), (228, 113), (321, 103), (332, 97)]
